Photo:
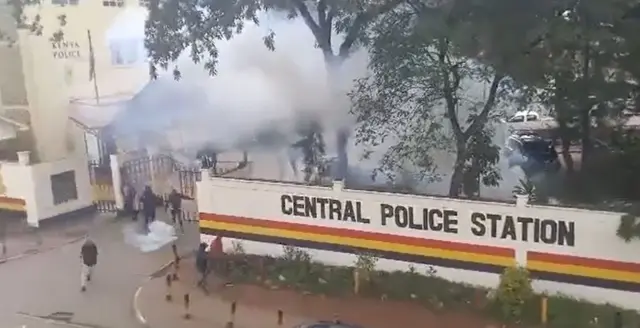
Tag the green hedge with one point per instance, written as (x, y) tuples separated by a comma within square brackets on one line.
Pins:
[(301, 273)]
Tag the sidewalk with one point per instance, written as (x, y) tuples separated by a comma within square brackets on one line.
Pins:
[(257, 307), (210, 311), (22, 240)]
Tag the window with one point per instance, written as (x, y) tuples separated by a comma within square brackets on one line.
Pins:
[(63, 187), (65, 2), (113, 3), (144, 3), (127, 51)]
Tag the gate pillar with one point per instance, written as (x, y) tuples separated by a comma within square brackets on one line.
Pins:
[(116, 176)]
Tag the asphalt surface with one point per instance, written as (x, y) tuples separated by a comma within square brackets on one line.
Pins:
[(43, 290)]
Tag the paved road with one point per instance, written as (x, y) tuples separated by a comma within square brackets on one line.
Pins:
[(48, 284)]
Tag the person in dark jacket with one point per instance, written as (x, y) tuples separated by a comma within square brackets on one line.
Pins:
[(130, 206), (149, 203), (202, 265), (175, 204), (89, 255)]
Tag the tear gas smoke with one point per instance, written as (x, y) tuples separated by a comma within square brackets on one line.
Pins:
[(257, 91)]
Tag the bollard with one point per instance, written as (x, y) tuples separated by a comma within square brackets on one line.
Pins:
[(544, 310), (187, 300), (168, 296), (617, 321), (280, 318), (174, 249), (176, 261), (356, 281), (233, 316), (176, 267)]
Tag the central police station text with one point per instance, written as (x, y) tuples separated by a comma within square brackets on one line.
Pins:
[(483, 224)]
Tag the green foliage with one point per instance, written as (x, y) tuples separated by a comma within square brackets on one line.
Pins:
[(513, 292), (514, 298), (629, 227), (237, 248), (176, 26), (420, 95), (32, 24)]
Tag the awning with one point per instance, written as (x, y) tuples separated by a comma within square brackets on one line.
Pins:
[(94, 117), (9, 128)]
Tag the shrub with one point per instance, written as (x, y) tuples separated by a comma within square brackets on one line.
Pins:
[(513, 292)]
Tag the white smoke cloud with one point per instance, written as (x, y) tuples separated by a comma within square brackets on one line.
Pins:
[(257, 90)]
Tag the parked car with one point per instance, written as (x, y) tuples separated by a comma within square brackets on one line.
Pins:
[(531, 152), (327, 324)]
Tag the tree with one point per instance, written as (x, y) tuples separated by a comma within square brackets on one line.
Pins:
[(419, 97), (176, 26), (31, 24)]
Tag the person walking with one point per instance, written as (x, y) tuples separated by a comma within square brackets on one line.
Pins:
[(130, 206), (149, 203), (175, 204), (202, 265), (89, 255)]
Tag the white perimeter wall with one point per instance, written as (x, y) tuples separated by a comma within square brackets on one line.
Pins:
[(32, 183), (594, 231)]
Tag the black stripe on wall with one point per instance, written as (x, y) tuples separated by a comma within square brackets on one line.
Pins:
[(456, 264), (586, 281)]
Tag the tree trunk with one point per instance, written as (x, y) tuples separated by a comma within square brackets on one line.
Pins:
[(563, 130), (585, 111), (565, 140), (333, 65), (457, 177)]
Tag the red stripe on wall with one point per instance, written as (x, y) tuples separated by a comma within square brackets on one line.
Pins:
[(412, 241), (9, 200), (583, 261)]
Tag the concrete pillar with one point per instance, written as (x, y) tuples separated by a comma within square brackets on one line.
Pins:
[(24, 157), (338, 185), (522, 200), (116, 177)]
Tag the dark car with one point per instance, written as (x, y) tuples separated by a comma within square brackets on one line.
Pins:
[(327, 324), (532, 153)]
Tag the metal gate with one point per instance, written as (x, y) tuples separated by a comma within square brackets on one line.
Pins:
[(162, 173), (102, 186)]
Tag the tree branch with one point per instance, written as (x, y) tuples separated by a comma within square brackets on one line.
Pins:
[(479, 122), (449, 89), (361, 20), (313, 26)]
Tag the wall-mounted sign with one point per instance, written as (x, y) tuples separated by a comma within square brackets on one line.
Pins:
[(446, 220), (65, 49)]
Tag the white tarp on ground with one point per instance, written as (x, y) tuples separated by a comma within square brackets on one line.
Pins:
[(160, 234)]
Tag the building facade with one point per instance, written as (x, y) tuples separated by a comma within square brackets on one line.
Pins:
[(62, 88)]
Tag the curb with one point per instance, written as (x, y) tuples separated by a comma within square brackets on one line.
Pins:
[(136, 308), (29, 253), (44, 250)]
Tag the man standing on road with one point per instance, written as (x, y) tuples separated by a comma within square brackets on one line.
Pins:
[(149, 203), (89, 255), (202, 265), (175, 204)]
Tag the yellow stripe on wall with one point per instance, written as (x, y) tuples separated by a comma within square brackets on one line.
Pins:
[(577, 270), (12, 207), (370, 244)]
